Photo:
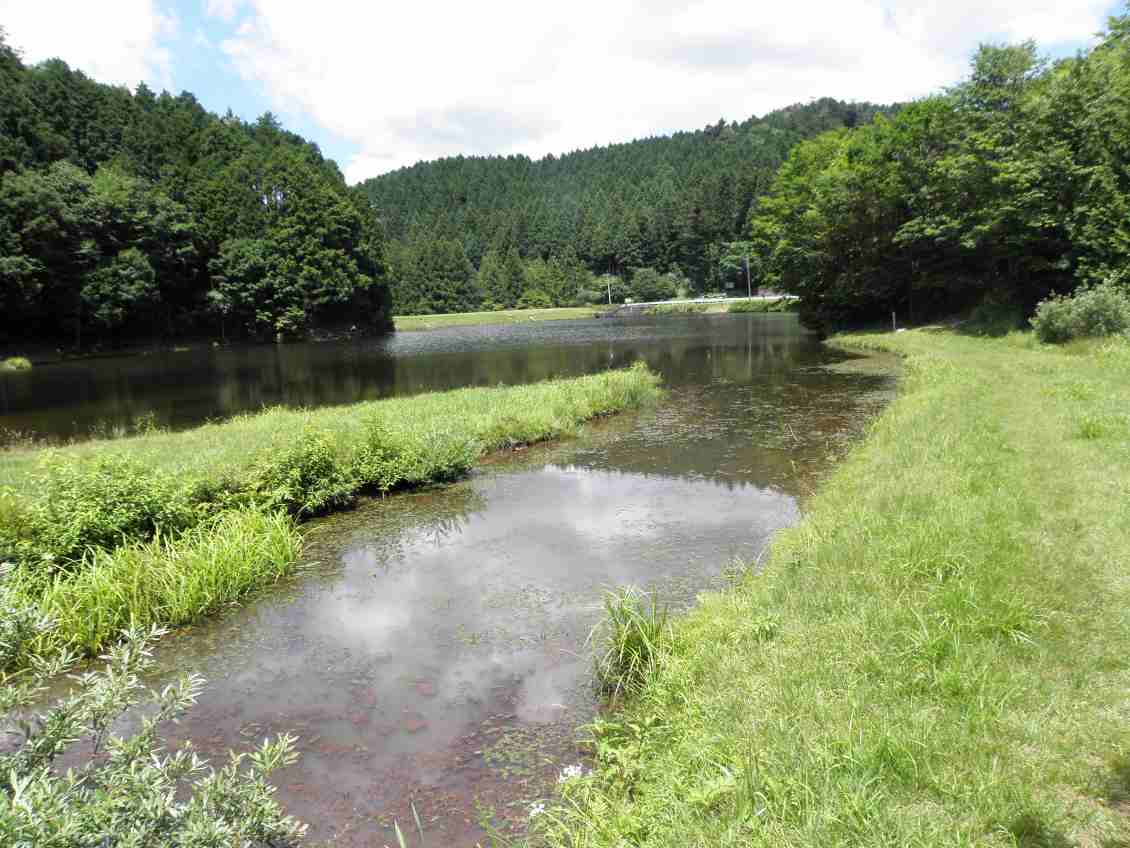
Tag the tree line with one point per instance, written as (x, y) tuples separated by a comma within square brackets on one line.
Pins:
[(494, 232), (127, 215), (1012, 186)]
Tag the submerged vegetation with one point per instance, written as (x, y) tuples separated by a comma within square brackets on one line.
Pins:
[(162, 527), (934, 656)]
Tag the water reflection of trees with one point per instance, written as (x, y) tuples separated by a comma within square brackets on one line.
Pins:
[(188, 387)]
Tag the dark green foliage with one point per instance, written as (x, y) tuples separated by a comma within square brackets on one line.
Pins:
[(649, 285), (101, 502), (1102, 310), (664, 203), (1011, 186), (130, 216), (304, 476)]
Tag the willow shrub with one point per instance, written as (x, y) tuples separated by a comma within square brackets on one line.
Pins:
[(122, 790), (1102, 310)]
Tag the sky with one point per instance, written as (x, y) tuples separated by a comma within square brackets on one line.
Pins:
[(381, 85)]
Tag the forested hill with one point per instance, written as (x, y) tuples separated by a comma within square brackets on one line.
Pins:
[(1007, 188), (137, 216), (535, 230)]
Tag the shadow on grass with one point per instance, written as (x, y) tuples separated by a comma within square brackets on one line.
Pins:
[(1031, 831)]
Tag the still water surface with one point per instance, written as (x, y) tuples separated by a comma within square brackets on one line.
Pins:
[(431, 653)]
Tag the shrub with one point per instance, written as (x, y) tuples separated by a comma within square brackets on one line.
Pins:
[(125, 791), (305, 476), (534, 299), (1102, 310), (387, 459), (619, 288), (648, 284), (102, 501), (15, 363), (630, 641)]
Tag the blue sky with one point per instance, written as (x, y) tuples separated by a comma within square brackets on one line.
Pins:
[(383, 85)]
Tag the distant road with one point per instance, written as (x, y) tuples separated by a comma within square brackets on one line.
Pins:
[(709, 301)]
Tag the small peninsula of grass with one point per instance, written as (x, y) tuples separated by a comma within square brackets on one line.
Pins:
[(502, 316), (935, 656), (161, 527)]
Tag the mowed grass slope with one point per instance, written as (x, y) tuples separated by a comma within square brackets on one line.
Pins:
[(938, 655), (501, 316)]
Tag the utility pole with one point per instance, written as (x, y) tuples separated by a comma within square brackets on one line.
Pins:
[(609, 281)]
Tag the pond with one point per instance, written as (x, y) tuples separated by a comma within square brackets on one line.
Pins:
[(431, 653)]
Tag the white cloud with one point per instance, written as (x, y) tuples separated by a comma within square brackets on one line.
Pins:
[(116, 43), (224, 9)]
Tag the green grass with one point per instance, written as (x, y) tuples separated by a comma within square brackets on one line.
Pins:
[(781, 304), (629, 641), (504, 316), (59, 501), (935, 656), (162, 581), (15, 363), (161, 527)]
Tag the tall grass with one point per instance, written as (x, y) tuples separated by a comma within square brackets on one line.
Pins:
[(935, 656), (162, 581), (634, 632)]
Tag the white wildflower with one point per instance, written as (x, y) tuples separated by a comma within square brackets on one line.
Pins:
[(537, 809), (570, 773)]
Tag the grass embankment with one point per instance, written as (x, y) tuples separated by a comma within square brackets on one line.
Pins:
[(503, 316), (936, 655), (765, 305), (80, 520)]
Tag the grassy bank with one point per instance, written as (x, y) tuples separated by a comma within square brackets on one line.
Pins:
[(504, 316), (935, 656), (78, 520)]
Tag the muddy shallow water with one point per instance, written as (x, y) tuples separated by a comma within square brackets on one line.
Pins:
[(431, 652)]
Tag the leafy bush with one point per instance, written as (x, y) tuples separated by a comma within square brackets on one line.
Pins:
[(1102, 310), (617, 285), (387, 459), (631, 638), (534, 299), (648, 285), (97, 502), (304, 476), (125, 791)]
